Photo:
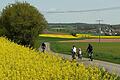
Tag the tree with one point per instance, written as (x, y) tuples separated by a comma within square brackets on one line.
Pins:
[(23, 22), (2, 30)]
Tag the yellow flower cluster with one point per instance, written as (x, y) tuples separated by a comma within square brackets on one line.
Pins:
[(21, 63), (64, 35)]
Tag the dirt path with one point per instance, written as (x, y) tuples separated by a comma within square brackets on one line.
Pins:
[(93, 40), (110, 67)]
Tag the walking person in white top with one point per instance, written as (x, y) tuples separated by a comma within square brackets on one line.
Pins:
[(73, 52), (79, 53)]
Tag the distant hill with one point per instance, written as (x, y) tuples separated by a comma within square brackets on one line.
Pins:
[(82, 27)]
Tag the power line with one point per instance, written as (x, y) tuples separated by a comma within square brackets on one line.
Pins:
[(79, 11)]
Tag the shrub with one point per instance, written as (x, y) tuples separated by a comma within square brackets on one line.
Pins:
[(74, 34)]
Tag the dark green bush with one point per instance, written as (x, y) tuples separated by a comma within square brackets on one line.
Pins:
[(74, 34), (22, 22)]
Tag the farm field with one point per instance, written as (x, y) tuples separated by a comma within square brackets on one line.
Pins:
[(41, 39), (65, 35), (85, 36), (69, 38), (22, 63), (107, 51)]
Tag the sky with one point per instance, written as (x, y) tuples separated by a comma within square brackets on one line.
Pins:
[(107, 17)]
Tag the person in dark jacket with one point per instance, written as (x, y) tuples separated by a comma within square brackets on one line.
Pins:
[(90, 52), (43, 46)]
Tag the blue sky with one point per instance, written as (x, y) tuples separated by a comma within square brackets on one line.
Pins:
[(108, 17)]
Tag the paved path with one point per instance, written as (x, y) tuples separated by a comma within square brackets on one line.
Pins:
[(110, 67)]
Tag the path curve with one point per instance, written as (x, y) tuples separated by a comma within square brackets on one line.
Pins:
[(110, 67)]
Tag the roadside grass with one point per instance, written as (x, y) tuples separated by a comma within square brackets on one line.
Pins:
[(106, 51)]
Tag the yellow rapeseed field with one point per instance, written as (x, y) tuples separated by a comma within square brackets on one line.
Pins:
[(21, 63), (79, 36), (65, 35)]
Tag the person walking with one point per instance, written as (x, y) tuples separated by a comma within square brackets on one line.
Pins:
[(79, 53), (90, 52), (43, 46), (73, 52)]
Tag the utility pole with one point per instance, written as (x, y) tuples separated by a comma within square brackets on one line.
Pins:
[(99, 22)]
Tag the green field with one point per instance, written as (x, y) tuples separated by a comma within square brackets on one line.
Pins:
[(108, 51), (39, 40)]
